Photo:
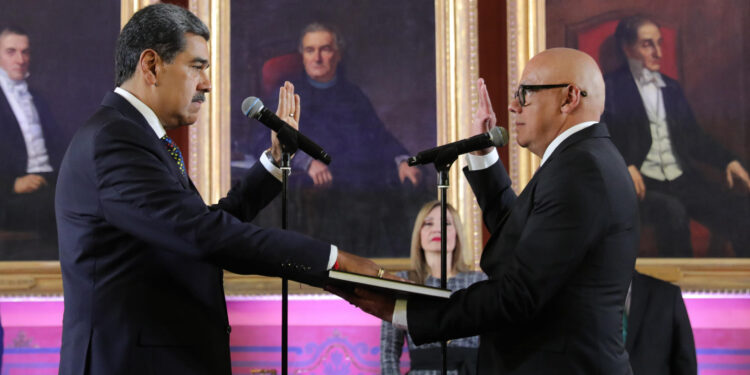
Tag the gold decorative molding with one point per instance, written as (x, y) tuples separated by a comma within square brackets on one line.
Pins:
[(707, 275), (30, 279), (34, 279), (456, 70), (526, 38), (210, 137)]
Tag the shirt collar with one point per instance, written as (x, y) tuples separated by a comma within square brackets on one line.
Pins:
[(322, 85), (4, 76), (642, 75), (563, 136), (18, 87), (147, 113)]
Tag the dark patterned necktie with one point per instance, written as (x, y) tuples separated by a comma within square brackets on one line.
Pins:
[(174, 152)]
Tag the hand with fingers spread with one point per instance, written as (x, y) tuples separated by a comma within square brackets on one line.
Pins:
[(484, 118), (289, 111)]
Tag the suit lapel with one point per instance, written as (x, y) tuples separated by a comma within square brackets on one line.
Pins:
[(639, 296), (11, 131), (119, 103), (630, 94)]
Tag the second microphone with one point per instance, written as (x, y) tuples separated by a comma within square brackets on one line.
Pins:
[(496, 137)]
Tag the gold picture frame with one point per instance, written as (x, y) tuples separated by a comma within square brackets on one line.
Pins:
[(526, 30)]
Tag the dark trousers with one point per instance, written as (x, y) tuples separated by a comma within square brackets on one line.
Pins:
[(669, 205), (32, 217)]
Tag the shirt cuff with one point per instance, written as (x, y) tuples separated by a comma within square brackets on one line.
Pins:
[(265, 159), (476, 163), (400, 159), (399, 315), (332, 258), (302, 161)]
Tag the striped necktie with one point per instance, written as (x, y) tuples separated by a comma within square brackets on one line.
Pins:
[(174, 152)]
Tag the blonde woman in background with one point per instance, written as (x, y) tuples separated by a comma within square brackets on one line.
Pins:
[(425, 263)]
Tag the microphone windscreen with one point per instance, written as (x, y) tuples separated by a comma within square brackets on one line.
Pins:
[(251, 106), (498, 136)]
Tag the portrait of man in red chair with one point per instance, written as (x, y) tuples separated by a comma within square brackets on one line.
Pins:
[(675, 109), (654, 128), (364, 199)]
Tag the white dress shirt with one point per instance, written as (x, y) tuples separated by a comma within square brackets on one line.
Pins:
[(660, 163), (155, 124), (22, 104)]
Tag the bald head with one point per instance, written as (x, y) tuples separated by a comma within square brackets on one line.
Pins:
[(559, 88), (566, 65)]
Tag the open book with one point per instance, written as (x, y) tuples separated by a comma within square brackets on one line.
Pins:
[(399, 289)]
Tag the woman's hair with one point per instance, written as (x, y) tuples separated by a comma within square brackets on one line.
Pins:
[(418, 263)]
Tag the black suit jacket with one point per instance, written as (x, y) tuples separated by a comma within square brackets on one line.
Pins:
[(142, 254), (628, 123), (559, 263), (660, 338), (13, 148)]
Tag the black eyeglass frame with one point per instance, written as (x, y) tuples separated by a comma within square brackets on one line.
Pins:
[(520, 93)]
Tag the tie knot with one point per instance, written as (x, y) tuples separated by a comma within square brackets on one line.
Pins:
[(174, 152), (21, 90), (169, 141)]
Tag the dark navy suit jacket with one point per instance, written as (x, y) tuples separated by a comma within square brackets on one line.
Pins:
[(660, 338), (142, 254), (559, 262)]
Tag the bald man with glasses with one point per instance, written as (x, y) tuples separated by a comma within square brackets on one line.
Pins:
[(561, 253)]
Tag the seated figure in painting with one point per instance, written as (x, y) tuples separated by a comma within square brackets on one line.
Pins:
[(425, 261), (654, 128), (368, 176), (30, 151)]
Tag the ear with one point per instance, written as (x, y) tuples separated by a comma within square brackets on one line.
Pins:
[(572, 99), (148, 66)]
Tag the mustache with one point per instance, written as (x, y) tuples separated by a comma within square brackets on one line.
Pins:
[(199, 97)]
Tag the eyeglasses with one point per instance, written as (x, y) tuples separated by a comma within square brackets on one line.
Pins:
[(520, 93)]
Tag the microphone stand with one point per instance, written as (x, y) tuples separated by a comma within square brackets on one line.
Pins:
[(288, 141), (443, 163)]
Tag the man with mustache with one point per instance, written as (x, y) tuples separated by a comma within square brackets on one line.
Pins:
[(142, 255)]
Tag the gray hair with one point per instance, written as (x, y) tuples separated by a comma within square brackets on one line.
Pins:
[(161, 27), (338, 40)]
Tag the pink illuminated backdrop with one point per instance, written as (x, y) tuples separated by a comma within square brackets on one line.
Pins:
[(329, 336)]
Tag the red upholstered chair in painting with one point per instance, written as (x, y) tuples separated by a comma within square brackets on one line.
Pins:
[(277, 69), (596, 37)]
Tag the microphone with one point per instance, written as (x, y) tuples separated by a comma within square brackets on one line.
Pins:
[(497, 137), (253, 107)]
